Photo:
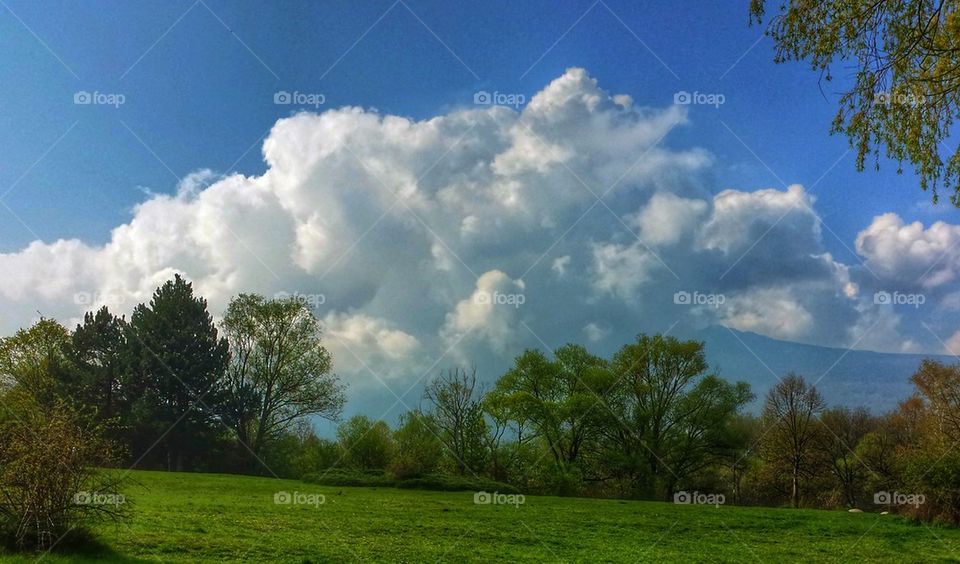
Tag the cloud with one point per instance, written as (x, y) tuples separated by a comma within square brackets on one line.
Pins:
[(490, 312), (909, 254), (595, 332), (667, 218), (361, 343), (775, 312), (560, 265), (406, 226), (952, 346)]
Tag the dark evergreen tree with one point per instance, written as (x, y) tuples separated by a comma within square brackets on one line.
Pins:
[(96, 355), (176, 362)]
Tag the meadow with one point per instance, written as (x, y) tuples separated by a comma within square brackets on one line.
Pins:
[(181, 517)]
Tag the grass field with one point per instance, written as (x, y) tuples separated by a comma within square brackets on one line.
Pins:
[(217, 518)]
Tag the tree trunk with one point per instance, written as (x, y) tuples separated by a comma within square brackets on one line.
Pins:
[(795, 488)]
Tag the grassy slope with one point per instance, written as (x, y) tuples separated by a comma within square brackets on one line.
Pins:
[(215, 518)]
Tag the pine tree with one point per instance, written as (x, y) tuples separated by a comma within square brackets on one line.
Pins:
[(96, 363), (177, 360)]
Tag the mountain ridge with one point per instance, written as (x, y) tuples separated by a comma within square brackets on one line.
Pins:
[(849, 377)]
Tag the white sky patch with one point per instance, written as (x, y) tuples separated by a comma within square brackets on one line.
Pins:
[(595, 332), (560, 265), (360, 342), (952, 345), (489, 313)]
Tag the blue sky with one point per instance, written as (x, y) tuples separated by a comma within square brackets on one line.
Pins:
[(404, 211), (198, 78)]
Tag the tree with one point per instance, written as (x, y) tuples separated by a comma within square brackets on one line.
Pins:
[(30, 354), (315, 454), (702, 430), (939, 385), (366, 444), (790, 419), (177, 361), (50, 453), (279, 372), (671, 415), (560, 398), (419, 450), (905, 91), (927, 460), (457, 415), (738, 456), (49, 459), (845, 429), (97, 363), (512, 436)]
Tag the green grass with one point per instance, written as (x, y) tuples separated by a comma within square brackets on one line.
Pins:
[(217, 518)]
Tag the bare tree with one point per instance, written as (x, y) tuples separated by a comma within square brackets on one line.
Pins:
[(844, 428), (790, 418), (457, 413)]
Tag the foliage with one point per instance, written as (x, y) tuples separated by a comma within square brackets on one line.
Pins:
[(279, 372), (49, 483), (556, 399), (176, 362), (366, 444), (27, 357), (905, 57), (673, 416), (419, 449), (646, 423)]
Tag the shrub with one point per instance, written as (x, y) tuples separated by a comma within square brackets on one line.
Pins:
[(419, 450), (366, 444), (449, 483), (349, 477), (435, 482), (49, 482)]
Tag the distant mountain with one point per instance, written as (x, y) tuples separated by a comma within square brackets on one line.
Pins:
[(877, 381)]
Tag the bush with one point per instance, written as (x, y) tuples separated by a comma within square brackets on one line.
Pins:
[(49, 482), (448, 483), (435, 482), (366, 444), (314, 455), (349, 477), (419, 450)]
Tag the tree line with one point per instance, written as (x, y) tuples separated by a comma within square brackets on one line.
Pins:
[(171, 389), (652, 422)]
